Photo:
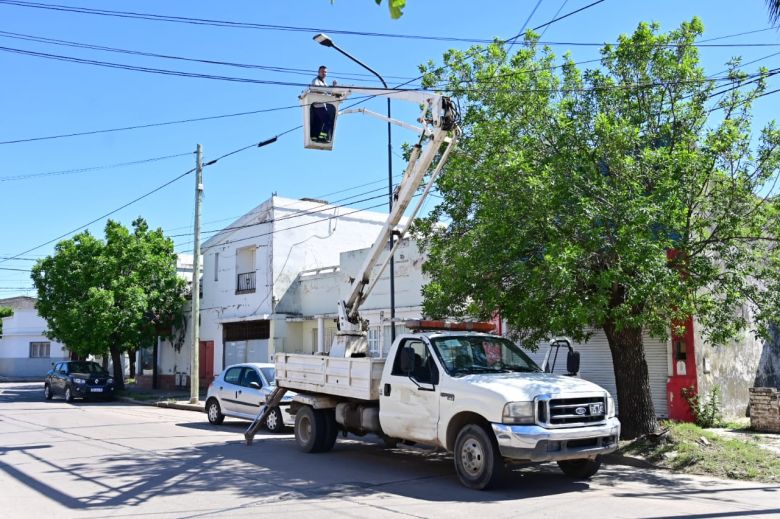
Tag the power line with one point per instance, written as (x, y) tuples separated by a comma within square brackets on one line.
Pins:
[(305, 212), (379, 90), (290, 28), (151, 125), (92, 168), (268, 68), (103, 216)]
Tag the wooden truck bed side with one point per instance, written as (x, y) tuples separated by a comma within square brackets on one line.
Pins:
[(338, 376)]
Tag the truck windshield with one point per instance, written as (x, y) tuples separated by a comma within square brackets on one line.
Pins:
[(479, 354)]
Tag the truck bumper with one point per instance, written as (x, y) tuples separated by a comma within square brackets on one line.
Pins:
[(534, 443)]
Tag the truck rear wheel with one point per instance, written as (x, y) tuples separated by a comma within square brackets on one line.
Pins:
[(315, 429), (580, 469), (478, 462)]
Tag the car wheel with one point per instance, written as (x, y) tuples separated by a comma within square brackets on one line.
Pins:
[(477, 460), (273, 420), (47, 392), (214, 412), (580, 469), (68, 394)]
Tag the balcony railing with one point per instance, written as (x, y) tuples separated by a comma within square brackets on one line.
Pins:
[(245, 283)]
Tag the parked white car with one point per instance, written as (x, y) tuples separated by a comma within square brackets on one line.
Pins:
[(241, 389)]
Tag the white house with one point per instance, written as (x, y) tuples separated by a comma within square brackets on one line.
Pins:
[(24, 349), (248, 268)]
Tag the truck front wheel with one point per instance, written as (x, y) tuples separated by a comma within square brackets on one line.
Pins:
[(477, 459), (315, 429), (580, 469)]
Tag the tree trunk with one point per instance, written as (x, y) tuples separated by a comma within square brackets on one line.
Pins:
[(637, 415), (119, 376), (132, 355)]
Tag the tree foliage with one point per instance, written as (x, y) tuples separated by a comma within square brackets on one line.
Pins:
[(4, 312), (396, 7), (624, 197), (111, 295)]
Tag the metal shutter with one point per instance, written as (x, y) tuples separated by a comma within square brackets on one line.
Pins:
[(596, 366)]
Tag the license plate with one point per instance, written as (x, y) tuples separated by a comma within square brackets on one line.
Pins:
[(96, 389), (596, 409)]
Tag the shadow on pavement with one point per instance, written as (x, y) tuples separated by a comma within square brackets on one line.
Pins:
[(273, 470)]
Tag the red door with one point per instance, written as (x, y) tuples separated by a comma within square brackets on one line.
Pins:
[(683, 376), (206, 363)]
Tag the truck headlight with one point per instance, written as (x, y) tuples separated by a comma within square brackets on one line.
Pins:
[(610, 406), (79, 381), (518, 413)]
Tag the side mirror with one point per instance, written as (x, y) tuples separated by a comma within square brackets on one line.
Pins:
[(407, 360), (254, 385), (573, 362), (435, 377)]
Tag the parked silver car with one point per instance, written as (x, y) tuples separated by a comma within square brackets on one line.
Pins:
[(241, 389)]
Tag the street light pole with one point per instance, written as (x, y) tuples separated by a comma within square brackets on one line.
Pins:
[(324, 40)]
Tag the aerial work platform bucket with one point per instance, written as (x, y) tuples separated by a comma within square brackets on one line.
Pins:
[(320, 113)]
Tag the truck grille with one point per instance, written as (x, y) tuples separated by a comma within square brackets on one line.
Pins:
[(571, 412)]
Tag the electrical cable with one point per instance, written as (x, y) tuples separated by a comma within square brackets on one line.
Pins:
[(92, 168), (289, 28), (103, 216), (268, 68)]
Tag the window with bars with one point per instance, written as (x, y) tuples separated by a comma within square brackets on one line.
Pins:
[(40, 350)]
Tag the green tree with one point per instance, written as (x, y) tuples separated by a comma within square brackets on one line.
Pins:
[(110, 295), (4, 312), (396, 7), (623, 198)]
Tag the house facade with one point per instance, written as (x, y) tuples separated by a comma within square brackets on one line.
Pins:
[(249, 266), (25, 352)]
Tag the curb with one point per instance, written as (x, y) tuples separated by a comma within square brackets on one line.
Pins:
[(201, 408), (163, 403)]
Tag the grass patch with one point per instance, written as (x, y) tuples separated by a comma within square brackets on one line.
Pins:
[(691, 449)]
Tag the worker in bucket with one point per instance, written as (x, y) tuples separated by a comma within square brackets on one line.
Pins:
[(322, 114)]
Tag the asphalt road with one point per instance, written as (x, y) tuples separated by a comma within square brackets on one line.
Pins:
[(121, 460)]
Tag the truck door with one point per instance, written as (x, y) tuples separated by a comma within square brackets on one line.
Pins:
[(409, 405)]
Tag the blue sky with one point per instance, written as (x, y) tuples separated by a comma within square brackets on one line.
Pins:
[(45, 97)]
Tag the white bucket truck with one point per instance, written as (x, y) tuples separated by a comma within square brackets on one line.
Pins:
[(447, 385)]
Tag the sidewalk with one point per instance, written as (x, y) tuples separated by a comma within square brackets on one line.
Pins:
[(163, 398)]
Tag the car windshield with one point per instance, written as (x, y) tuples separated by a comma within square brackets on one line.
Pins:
[(85, 367), (269, 375), (471, 354)]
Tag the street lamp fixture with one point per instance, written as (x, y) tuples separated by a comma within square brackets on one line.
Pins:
[(324, 40)]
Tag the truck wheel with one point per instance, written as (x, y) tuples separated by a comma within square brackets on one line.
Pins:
[(331, 429), (477, 459), (580, 469), (309, 429)]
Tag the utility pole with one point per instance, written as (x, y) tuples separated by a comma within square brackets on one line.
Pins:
[(194, 364)]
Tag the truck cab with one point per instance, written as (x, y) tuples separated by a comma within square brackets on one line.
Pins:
[(436, 383)]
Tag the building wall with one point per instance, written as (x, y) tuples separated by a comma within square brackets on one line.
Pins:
[(732, 367), (768, 371), (288, 236), (19, 330)]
